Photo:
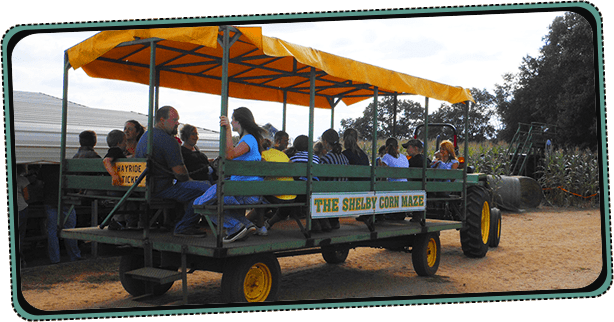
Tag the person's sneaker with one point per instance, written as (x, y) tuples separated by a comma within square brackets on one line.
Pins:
[(191, 233), (262, 231), (236, 236), (267, 225)]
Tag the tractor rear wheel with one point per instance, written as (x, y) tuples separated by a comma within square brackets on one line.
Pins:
[(476, 233)]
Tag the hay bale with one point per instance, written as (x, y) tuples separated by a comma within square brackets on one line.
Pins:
[(531, 192)]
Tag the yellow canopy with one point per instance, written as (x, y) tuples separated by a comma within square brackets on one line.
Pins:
[(260, 68)]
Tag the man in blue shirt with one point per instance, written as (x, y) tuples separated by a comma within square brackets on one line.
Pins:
[(170, 177)]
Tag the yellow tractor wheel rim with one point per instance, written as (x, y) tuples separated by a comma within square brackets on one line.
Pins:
[(431, 252), (485, 222), (258, 282)]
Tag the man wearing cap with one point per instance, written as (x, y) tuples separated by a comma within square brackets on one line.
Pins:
[(414, 150), (416, 159)]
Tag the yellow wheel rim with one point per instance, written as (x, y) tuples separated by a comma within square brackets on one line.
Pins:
[(485, 222), (431, 252), (258, 282)]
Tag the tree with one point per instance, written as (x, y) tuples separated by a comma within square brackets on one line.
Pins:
[(480, 116), (558, 87), (410, 114)]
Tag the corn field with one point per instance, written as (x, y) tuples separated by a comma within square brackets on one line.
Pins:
[(568, 177)]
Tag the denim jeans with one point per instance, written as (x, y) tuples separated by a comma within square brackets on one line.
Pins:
[(233, 220), (53, 243), (185, 192)]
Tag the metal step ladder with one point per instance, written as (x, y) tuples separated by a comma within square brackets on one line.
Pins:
[(529, 139)]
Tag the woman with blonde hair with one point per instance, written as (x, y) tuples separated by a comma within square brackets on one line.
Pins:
[(448, 157)]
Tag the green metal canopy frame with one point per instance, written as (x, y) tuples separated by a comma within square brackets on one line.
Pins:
[(250, 74)]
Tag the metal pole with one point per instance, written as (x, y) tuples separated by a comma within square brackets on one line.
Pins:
[(332, 117), (222, 147), (394, 117), (312, 97), (284, 120), (147, 247), (63, 140), (466, 154), (426, 137), (374, 142)]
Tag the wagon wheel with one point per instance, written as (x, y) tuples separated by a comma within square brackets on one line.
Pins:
[(136, 287), (253, 278), (475, 234), (495, 228), (333, 255), (426, 253)]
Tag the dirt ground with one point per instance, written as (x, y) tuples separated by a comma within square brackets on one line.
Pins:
[(544, 249)]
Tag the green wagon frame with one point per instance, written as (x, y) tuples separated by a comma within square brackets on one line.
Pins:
[(232, 61)]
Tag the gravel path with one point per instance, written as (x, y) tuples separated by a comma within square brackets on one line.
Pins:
[(546, 249)]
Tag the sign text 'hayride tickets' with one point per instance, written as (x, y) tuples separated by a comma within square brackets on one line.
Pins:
[(366, 203), (129, 172)]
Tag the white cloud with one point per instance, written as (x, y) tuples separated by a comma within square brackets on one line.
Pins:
[(468, 51)]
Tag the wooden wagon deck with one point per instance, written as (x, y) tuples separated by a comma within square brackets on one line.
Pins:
[(285, 236)]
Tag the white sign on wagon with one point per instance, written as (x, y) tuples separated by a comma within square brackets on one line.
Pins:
[(325, 205)]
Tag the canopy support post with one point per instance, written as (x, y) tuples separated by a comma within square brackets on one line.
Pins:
[(284, 119), (374, 142), (466, 155), (426, 136), (222, 146), (312, 103), (394, 117), (152, 111), (63, 140)]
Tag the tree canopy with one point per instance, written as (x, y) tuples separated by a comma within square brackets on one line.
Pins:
[(557, 88), (410, 114)]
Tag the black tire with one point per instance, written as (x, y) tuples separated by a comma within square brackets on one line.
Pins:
[(426, 253), (495, 227), (253, 278), (333, 255), (475, 234), (136, 287)]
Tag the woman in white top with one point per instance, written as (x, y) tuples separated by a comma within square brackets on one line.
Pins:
[(393, 158)]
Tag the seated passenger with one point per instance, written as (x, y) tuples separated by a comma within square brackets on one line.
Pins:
[(298, 153), (330, 139), (87, 142), (195, 161), (393, 158), (414, 152), (273, 154), (249, 148), (319, 149), (380, 152), (354, 154), (134, 130), (116, 140), (448, 157)]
